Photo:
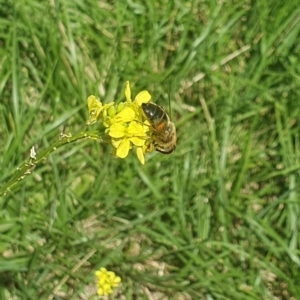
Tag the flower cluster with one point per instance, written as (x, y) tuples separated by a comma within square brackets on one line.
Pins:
[(124, 122), (106, 281)]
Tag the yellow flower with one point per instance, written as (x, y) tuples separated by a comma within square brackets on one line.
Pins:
[(127, 128), (124, 137), (95, 108), (125, 123), (106, 281)]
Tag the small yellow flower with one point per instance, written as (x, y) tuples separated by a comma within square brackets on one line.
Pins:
[(124, 137), (125, 123), (106, 281), (95, 107)]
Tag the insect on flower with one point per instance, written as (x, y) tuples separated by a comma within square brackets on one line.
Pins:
[(163, 130), (134, 124)]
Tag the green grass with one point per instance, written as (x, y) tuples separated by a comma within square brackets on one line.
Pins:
[(219, 218)]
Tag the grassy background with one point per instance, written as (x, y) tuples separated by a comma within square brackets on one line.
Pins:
[(219, 218)]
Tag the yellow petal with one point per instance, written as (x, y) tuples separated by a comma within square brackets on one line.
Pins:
[(116, 281), (116, 142), (140, 155), (126, 115), (123, 149), (136, 129), (127, 92), (142, 97), (93, 102), (95, 107), (117, 130), (137, 141), (100, 291)]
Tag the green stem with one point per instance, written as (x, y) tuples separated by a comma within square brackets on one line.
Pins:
[(26, 167)]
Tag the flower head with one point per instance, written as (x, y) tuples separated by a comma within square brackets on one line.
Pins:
[(106, 281), (125, 123), (95, 108)]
